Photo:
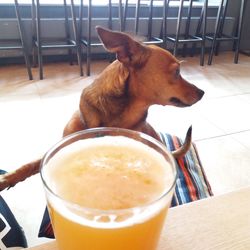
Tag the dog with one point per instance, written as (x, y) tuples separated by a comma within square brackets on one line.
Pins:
[(121, 95)]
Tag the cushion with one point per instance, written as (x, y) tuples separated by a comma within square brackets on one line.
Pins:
[(11, 234), (191, 184)]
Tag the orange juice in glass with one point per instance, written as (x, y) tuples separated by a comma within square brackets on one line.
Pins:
[(108, 189)]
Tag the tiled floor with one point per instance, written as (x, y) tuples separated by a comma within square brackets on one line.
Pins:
[(33, 114)]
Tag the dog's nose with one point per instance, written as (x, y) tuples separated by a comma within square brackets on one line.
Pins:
[(200, 93)]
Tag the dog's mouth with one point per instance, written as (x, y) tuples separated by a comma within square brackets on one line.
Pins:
[(177, 102)]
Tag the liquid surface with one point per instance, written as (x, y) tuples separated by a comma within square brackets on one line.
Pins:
[(108, 173)]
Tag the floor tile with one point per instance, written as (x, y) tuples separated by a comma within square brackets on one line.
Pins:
[(227, 113), (225, 160), (243, 138), (176, 121), (19, 131)]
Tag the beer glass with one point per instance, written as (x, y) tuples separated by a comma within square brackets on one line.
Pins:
[(108, 189)]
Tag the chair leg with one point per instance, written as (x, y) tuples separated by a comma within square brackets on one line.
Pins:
[(204, 30), (38, 34), (187, 28), (34, 54), (88, 49), (124, 17), (40, 63), (236, 55), (80, 31), (198, 30), (33, 18), (212, 50), (78, 46), (110, 23), (164, 23), (23, 41), (121, 25), (202, 56), (178, 27), (221, 25), (28, 64), (67, 32), (88, 60), (214, 42)]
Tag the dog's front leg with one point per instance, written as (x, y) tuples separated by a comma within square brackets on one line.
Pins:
[(12, 178), (147, 129), (75, 124)]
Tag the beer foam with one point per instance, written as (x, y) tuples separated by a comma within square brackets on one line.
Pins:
[(110, 219), (108, 173)]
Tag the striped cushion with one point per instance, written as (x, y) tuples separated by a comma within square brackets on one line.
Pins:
[(191, 182)]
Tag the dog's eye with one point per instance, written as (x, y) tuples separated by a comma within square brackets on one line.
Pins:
[(177, 72)]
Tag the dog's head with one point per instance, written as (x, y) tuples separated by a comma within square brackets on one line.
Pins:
[(153, 71)]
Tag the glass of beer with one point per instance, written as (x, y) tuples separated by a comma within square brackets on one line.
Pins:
[(108, 189)]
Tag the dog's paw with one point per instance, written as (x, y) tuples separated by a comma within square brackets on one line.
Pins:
[(5, 182)]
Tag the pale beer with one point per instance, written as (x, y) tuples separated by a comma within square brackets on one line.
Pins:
[(108, 192)]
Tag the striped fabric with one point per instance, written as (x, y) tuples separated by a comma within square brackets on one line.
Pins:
[(191, 184)]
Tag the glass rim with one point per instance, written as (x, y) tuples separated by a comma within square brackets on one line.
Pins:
[(142, 135)]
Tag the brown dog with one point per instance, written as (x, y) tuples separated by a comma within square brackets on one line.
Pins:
[(121, 95)]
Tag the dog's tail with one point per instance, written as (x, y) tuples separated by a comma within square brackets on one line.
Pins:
[(180, 152), (10, 179)]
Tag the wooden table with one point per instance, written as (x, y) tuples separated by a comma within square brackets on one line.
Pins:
[(221, 222)]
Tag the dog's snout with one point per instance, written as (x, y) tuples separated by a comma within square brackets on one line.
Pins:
[(200, 93)]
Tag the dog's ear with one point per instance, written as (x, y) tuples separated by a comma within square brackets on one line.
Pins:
[(128, 51)]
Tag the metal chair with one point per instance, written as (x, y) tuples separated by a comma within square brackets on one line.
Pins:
[(186, 37), (219, 36), (41, 43), (18, 44), (112, 12), (144, 31), (123, 17)]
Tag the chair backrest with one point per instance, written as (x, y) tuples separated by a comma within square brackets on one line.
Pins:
[(185, 11), (110, 17), (14, 40), (138, 18), (41, 20), (218, 19)]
